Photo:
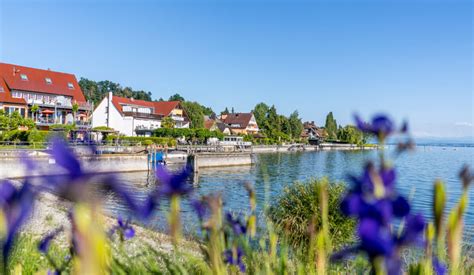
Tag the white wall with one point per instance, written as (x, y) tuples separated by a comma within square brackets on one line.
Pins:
[(99, 116), (125, 125)]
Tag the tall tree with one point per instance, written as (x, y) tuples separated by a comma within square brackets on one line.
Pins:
[(260, 112), (96, 91), (176, 97), (296, 126), (331, 126), (225, 112), (195, 113)]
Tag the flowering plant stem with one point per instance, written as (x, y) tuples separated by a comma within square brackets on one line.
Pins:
[(174, 220)]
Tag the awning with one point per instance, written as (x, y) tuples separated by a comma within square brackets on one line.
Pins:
[(47, 111)]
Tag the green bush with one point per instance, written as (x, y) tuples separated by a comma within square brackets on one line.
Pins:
[(30, 135), (200, 134), (299, 204), (171, 142), (38, 136)]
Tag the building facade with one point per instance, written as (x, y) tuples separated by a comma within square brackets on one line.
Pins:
[(133, 117), (54, 93), (241, 123)]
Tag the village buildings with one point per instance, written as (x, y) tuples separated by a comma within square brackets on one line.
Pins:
[(133, 117), (57, 95)]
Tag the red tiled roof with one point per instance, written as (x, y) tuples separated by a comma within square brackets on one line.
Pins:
[(165, 107), (159, 108), (208, 123), (37, 81), (119, 101), (5, 95), (242, 119)]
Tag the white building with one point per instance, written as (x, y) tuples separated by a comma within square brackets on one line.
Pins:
[(133, 117)]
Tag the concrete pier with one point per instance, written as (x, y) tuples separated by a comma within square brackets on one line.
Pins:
[(11, 166), (203, 160)]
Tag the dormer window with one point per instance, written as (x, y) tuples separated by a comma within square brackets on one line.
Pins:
[(2, 90), (70, 85), (24, 77), (48, 80)]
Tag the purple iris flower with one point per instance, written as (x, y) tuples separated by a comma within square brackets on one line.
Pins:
[(173, 184), (124, 229), (376, 213), (413, 229), (201, 208), (78, 187), (230, 258), (16, 205), (439, 268), (238, 227), (375, 240), (44, 244), (381, 126), (65, 158)]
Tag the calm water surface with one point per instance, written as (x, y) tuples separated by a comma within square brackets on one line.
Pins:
[(416, 172)]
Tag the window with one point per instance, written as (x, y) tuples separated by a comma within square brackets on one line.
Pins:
[(48, 80), (2, 90), (16, 94), (70, 85), (24, 77)]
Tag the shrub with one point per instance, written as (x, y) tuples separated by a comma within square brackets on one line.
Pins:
[(299, 204), (38, 136), (171, 142), (200, 134)]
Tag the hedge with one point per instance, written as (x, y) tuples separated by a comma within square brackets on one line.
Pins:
[(144, 140), (28, 135), (188, 133)]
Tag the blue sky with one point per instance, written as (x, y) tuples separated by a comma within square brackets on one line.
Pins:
[(412, 59)]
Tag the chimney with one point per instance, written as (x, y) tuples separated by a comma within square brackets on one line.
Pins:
[(132, 99)]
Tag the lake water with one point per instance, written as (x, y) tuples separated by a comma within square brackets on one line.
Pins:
[(416, 172)]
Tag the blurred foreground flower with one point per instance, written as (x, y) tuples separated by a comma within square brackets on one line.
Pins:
[(123, 229), (16, 205), (174, 186), (374, 202), (234, 257)]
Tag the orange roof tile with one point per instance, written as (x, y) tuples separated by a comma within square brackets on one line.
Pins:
[(36, 81), (159, 107), (5, 95)]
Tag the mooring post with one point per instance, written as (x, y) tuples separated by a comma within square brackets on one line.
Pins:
[(192, 161)]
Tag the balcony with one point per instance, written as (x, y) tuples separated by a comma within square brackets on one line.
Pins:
[(143, 115), (177, 118), (80, 124), (45, 121)]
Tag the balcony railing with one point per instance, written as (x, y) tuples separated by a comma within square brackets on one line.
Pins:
[(64, 104), (177, 118), (143, 115), (51, 121)]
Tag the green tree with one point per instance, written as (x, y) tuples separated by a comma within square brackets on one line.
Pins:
[(351, 134), (195, 113), (225, 112), (296, 126), (331, 126), (176, 97), (260, 112), (34, 110), (96, 91), (167, 122), (75, 108)]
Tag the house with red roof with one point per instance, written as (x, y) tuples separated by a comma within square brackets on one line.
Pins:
[(132, 117), (53, 92), (241, 123)]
